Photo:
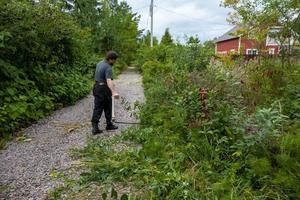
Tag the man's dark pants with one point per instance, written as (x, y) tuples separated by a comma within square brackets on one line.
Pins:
[(102, 102)]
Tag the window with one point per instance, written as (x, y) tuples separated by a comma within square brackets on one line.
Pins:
[(252, 52), (272, 51)]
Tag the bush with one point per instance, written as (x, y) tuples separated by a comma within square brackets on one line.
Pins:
[(238, 142), (43, 63)]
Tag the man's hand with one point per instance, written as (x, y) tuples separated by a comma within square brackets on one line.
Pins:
[(116, 95)]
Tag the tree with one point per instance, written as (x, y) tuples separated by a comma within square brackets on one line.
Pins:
[(256, 17), (86, 12), (193, 40), (44, 61), (112, 23), (117, 29), (167, 38), (209, 44), (145, 40)]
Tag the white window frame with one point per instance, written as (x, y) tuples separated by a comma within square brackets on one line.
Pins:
[(250, 52), (256, 52), (271, 51), (222, 52)]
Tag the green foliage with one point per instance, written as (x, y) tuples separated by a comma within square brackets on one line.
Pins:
[(48, 53), (48, 42), (261, 167), (112, 23), (193, 57), (290, 145), (119, 30), (193, 40), (146, 39), (238, 142), (257, 17), (43, 64), (270, 81), (166, 38), (233, 145)]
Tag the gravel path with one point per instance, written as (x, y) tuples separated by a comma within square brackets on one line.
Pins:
[(25, 166)]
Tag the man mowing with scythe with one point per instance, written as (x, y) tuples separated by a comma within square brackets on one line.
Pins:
[(103, 91)]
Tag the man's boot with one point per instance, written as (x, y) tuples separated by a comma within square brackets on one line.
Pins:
[(95, 129), (111, 127)]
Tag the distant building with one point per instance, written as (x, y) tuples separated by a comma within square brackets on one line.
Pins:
[(273, 45), (231, 43)]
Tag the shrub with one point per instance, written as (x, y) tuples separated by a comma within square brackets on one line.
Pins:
[(43, 62), (239, 142)]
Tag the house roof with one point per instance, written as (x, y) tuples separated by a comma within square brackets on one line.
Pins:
[(228, 35)]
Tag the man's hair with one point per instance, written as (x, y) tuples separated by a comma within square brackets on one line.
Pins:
[(111, 55)]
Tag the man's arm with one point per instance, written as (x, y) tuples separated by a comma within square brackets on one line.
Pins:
[(112, 88)]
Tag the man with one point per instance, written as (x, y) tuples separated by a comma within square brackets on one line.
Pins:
[(103, 91)]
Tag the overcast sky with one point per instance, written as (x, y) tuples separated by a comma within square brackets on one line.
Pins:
[(204, 18)]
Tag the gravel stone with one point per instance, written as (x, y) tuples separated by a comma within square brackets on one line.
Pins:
[(25, 167)]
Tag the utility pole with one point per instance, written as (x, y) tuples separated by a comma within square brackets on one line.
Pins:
[(151, 13)]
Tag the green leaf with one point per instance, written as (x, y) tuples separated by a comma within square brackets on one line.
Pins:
[(104, 196), (124, 197), (114, 194)]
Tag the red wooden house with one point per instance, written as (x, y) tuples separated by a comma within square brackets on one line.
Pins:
[(231, 43)]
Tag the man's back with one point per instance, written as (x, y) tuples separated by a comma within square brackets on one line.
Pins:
[(103, 72)]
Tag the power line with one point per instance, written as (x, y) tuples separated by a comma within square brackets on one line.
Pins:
[(158, 1), (148, 21), (171, 11), (140, 8), (146, 28), (151, 12), (186, 16)]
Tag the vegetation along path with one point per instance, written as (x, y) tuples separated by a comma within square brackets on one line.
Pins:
[(26, 165)]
